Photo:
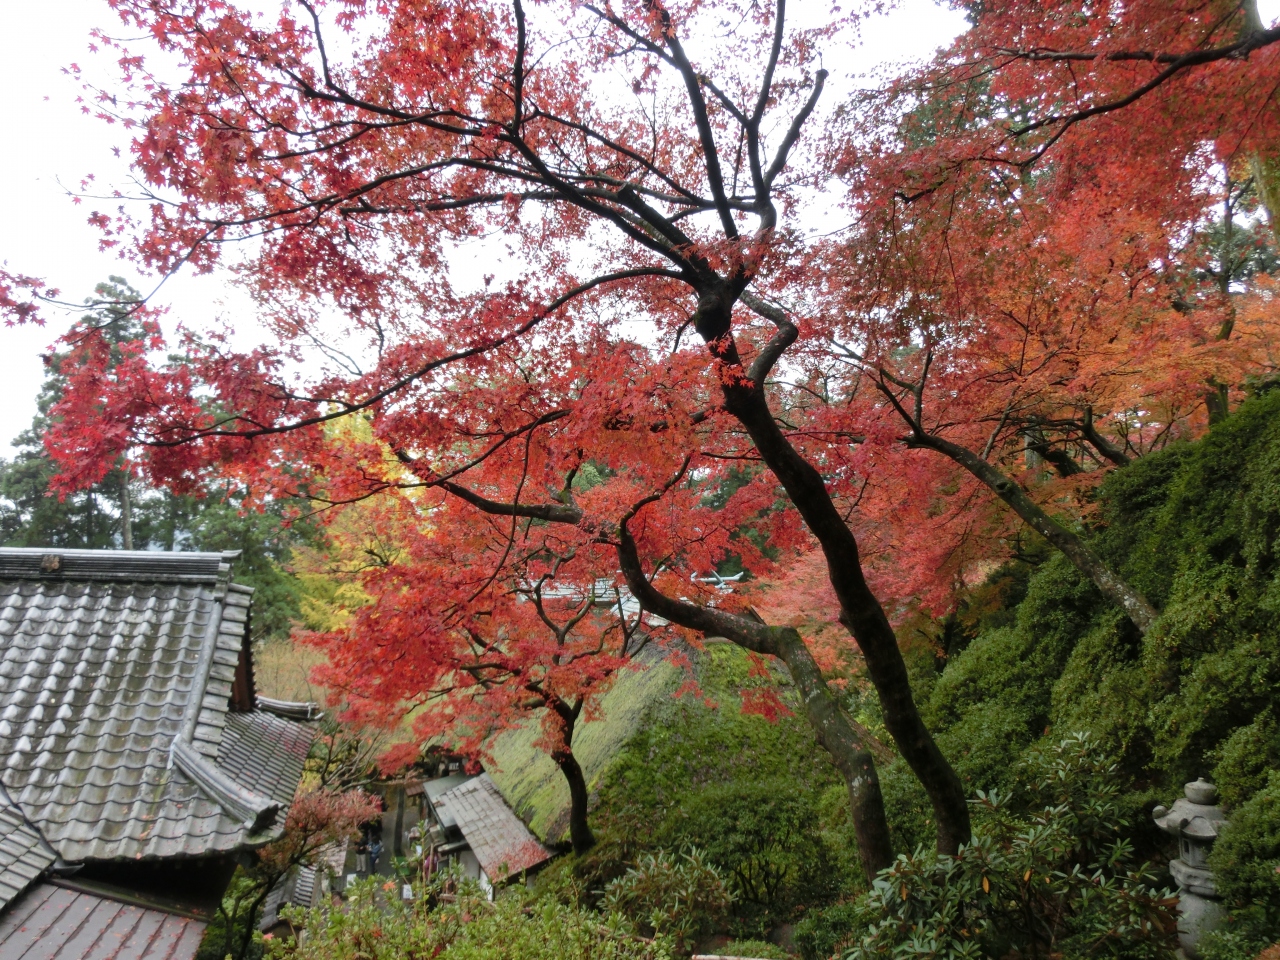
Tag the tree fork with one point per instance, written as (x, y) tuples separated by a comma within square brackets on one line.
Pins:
[(833, 729), (840, 736), (1100, 443)]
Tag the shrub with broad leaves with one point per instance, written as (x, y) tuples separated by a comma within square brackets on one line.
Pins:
[(681, 896), (452, 918), (1049, 873)]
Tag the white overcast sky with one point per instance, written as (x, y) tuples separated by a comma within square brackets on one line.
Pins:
[(49, 146)]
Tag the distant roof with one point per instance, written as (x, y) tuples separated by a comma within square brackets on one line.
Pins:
[(117, 739), (618, 597), (56, 923), (499, 839), (435, 789), (300, 887)]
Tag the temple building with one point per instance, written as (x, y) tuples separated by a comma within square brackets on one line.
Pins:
[(137, 762)]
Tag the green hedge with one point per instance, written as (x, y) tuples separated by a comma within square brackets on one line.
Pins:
[(1196, 528)]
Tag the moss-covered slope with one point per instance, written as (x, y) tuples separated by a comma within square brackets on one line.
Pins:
[(1196, 527), (534, 786)]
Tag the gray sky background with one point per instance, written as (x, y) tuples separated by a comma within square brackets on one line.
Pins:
[(50, 146)]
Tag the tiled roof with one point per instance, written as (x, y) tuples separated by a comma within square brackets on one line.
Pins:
[(23, 854), (55, 923), (116, 739), (435, 789), (265, 753), (499, 839), (300, 887)]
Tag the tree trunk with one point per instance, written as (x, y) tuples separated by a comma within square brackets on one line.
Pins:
[(171, 521), (580, 835), (860, 611), (1264, 167), (1130, 600), (1217, 403), (835, 734), (240, 949), (126, 513), (833, 729)]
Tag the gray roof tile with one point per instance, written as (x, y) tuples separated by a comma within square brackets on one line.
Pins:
[(23, 854), (434, 789), (103, 664), (265, 752), (55, 923), (300, 887), (499, 839)]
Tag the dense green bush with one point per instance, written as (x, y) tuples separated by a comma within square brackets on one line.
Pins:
[(548, 931), (1049, 873), (822, 931), (700, 741), (1241, 937), (376, 926), (1195, 527), (678, 896), (788, 840), (1246, 859), (762, 836), (756, 949)]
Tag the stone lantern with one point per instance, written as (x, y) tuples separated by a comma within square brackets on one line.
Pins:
[(1196, 821)]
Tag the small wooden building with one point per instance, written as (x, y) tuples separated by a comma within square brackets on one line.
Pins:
[(469, 823)]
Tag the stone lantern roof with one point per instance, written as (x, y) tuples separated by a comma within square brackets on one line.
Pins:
[(1196, 815), (1196, 821)]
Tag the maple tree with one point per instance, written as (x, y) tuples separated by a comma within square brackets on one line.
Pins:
[(639, 160), (1047, 268), (1031, 366), (350, 175), (466, 645)]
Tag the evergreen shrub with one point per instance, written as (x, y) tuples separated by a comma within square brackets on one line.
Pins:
[(762, 836), (1246, 860), (680, 896), (1049, 873), (759, 798), (375, 924)]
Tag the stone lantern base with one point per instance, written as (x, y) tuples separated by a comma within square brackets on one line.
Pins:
[(1199, 909)]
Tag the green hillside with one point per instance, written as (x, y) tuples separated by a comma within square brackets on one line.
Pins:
[(532, 784)]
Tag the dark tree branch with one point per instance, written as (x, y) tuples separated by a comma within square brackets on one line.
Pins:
[(1115, 589), (778, 343), (793, 133), (1177, 63), (715, 177), (1101, 443), (349, 407)]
